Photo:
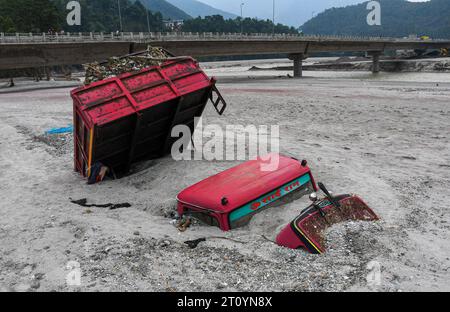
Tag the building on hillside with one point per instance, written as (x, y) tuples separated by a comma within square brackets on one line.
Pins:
[(174, 25)]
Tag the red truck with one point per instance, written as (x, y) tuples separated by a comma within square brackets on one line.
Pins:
[(231, 198)]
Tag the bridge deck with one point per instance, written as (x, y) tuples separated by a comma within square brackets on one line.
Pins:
[(38, 50), (167, 36)]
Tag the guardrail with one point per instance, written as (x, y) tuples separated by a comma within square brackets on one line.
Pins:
[(142, 37)]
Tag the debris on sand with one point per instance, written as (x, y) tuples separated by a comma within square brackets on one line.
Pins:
[(409, 157), (194, 243), (120, 65), (83, 202), (99, 172), (183, 224)]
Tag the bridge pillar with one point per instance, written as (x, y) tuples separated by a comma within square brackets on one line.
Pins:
[(375, 61), (298, 63)]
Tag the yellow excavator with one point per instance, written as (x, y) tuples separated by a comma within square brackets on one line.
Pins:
[(442, 52)]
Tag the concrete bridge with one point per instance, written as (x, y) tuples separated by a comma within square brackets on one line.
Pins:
[(18, 51)]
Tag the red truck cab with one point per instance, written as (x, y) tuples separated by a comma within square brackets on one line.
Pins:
[(231, 198)]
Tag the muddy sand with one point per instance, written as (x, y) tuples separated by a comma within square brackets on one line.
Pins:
[(386, 138)]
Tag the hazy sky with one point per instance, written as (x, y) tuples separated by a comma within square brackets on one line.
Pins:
[(292, 12)]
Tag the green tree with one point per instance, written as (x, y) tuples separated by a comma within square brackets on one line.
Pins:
[(217, 23), (29, 15), (103, 16), (7, 25)]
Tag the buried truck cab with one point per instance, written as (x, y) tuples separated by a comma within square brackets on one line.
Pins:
[(231, 198)]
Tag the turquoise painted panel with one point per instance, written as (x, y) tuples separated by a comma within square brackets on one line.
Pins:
[(269, 198)]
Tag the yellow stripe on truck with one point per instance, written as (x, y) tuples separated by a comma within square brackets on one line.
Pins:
[(312, 244), (91, 142)]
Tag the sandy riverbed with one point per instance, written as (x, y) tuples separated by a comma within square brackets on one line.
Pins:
[(386, 138)]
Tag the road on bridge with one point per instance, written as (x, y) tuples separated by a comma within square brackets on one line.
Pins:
[(31, 51)]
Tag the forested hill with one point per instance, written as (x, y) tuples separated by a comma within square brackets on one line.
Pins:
[(168, 10), (102, 15), (96, 16), (217, 23), (399, 18)]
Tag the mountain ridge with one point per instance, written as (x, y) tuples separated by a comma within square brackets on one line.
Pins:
[(197, 8), (288, 12), (167, 9), (399, 18)]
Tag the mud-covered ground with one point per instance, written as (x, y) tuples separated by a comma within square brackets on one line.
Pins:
[(386, 138)]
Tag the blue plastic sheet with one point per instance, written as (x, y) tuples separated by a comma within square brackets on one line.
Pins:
[(68, 129)]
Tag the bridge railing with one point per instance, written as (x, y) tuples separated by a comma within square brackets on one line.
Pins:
[(167, 36)]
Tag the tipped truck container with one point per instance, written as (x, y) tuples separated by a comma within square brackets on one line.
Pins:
[(128, 118)]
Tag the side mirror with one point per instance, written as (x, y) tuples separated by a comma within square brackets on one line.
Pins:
[(313, 197)]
